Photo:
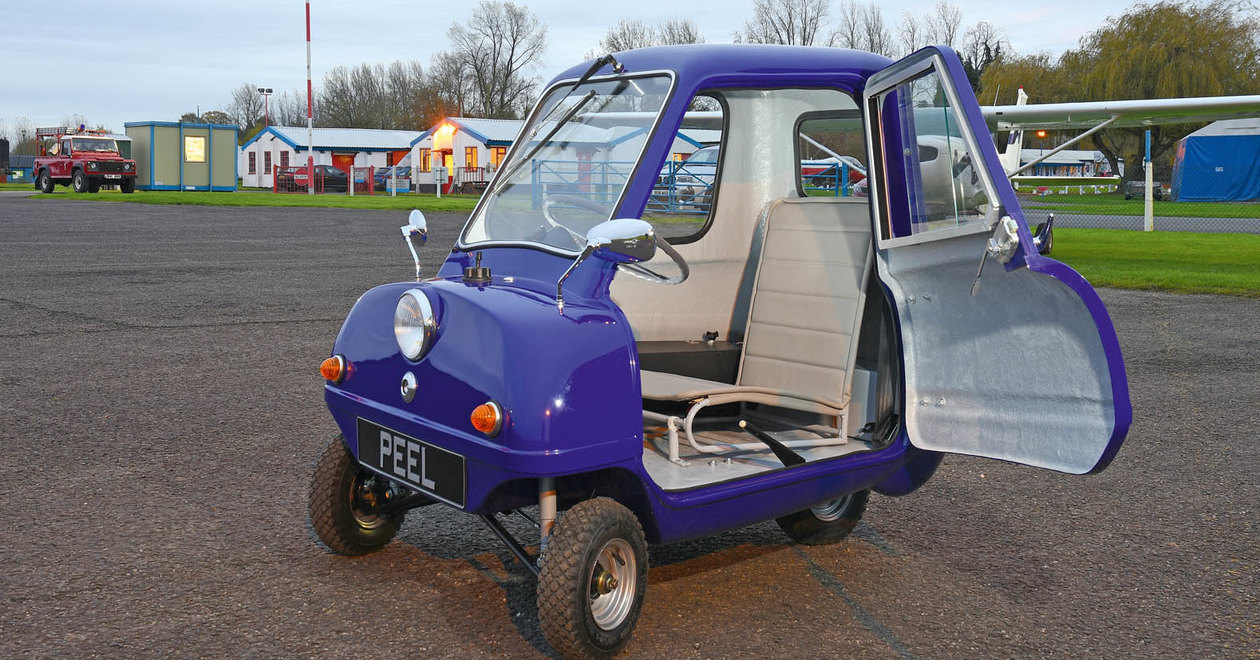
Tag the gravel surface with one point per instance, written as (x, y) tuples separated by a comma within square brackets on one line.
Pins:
[(160, 411)]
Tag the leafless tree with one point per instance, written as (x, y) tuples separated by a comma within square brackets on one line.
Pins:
[(848, 30), (678, 31), (862, 26), (246, 107), (627, 34), (289, 108), (912, 35), (944, 23), (878, 38), (792, 22), (450, 89), (500, 45)]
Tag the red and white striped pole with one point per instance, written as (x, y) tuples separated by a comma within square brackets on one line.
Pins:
[(310, 131)]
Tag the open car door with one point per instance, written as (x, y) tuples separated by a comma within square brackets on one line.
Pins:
[(1018, 361)]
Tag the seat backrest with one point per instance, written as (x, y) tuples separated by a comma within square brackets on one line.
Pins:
[(808, 297)]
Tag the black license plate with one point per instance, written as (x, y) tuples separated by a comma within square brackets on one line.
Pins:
[(429, 469)]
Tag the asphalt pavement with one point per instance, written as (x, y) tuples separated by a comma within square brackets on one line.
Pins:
[(161, 408)]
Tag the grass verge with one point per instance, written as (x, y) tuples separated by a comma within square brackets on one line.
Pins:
[(1116, 204), (380, 201), (1181, 262)]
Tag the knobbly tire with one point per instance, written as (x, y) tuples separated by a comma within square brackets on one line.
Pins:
[(44, 182), (79, 182), (127, 186), (342, 501), (828, 522), (593, 576)]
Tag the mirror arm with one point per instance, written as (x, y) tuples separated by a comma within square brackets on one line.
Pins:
[(407, 231), (588, 251)]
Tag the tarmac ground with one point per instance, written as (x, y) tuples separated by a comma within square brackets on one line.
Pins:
[(161, 410)]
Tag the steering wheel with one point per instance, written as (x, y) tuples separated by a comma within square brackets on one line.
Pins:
[(640, 270), (571, 200), (636, 269)]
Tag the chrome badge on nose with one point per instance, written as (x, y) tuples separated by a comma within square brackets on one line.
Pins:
[(408, 387)]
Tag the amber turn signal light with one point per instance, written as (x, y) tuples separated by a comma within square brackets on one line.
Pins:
[(333, 369), (488, 418)]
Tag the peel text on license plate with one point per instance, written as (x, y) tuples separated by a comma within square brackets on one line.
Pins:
[(429, 469)]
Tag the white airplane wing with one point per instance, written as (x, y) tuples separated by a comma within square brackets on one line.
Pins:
[(1087, 114)]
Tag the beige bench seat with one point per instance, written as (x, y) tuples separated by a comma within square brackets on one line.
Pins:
[(804, 314)]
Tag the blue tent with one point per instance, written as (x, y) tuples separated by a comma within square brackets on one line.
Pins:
[(1219, 162)]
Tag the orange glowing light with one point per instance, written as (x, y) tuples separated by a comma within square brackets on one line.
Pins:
[(333, 369), (446, 129), (1041, 134), (487, 418)]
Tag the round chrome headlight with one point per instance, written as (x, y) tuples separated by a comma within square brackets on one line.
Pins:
[(414, 324)]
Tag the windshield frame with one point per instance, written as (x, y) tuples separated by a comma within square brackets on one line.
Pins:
[(519, 144)]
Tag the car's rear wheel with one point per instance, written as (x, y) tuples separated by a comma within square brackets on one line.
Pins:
[(94, 187), (44, 182), (79, 182), (345, 501), (827, 522)]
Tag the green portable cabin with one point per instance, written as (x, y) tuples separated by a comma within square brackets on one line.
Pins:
[(178, 156)]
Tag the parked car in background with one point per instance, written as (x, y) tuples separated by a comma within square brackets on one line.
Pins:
[(380, 179), (1138, 189), (327, 179)]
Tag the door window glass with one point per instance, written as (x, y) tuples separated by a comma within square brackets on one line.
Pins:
[(934, 179)]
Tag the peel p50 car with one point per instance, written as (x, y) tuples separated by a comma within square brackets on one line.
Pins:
[(646, 378)]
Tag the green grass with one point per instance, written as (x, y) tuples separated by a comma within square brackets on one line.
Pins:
[(1116, 204), (379, 201), (1181, 262), (17, 186)]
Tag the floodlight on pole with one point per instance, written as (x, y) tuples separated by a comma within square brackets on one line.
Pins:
[(266, 94)]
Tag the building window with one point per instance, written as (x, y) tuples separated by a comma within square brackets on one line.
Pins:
[(425, 155), (194, 148), (284, 159), (470, 157), (496, 155), (253, 163), (266, 162)]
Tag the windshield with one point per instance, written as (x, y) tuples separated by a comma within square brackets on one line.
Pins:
[(570, 164), (95, 144)]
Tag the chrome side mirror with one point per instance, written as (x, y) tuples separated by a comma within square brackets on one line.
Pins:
[(416, 226), (620, 241)]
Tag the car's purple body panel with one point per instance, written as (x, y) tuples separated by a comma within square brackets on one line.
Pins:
[(569, 383)]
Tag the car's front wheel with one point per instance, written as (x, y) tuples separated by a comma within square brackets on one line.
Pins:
[(127, 186), (79, 182), (44, 182), (593, 576), (345, 501)]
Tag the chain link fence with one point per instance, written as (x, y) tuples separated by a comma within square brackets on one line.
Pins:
[(1124, 207)]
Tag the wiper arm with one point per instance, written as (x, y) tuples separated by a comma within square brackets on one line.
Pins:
[(507, 176), (598, 64)]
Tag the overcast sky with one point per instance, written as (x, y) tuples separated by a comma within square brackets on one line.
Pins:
[(153, 60)]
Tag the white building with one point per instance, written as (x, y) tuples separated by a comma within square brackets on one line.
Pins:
[(471, 149), (343, 148)]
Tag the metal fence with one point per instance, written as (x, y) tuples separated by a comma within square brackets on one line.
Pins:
[(1124, 207)]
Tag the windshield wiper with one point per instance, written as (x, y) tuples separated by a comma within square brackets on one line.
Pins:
[(617, 67), (507, 176)]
